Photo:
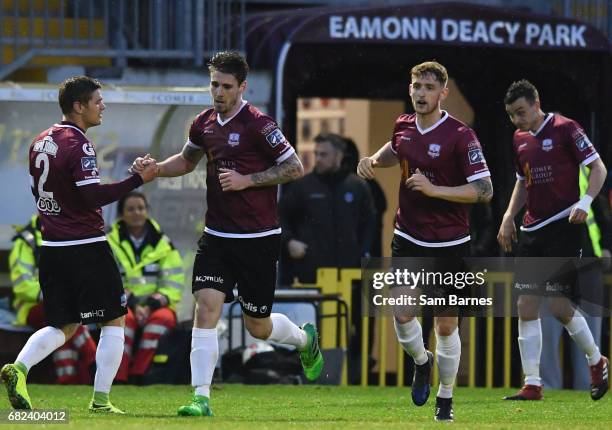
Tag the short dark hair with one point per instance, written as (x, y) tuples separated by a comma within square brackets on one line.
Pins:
[(522, 88), (437, 70), (231, 62), (76, 89), (122, 200), (336, 141)]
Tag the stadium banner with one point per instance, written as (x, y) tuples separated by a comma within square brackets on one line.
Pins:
[(481, 287), (467, 25)]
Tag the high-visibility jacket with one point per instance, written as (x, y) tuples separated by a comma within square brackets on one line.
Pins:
[(594, 231), (23, 263), (155, 267)]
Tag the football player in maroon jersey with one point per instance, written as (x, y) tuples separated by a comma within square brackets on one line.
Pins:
[(247, 156), (79, 279), (549, 149), (443, 170)]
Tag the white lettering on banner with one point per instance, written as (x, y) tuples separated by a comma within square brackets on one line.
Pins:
[(452, 30)]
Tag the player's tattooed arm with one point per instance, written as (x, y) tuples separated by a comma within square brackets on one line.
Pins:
[(192, 153), (181, 163), (484, 190), (287, 171)]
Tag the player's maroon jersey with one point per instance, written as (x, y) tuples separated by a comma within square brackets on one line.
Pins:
[(61, 160), (248, 142), (449, 154), (548, 161)]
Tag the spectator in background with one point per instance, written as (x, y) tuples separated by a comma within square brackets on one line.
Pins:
[(329, 220), (74, 359), (327, 217), (153, 277), (350, 161)]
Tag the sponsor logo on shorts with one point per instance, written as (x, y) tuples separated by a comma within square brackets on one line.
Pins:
[(263, 309), (249, 306), (475, 156), (520, 286), (124, 300), (208, 278), (98, 313), (556, 287)]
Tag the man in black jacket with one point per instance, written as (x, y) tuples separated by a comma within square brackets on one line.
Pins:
[(327, 217)]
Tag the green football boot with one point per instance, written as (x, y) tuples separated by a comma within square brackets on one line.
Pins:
[(105, 409), (311, 357), (197, 408), (15, 382)]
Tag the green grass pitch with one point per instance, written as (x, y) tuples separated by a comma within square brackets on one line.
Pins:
[(317, 407)]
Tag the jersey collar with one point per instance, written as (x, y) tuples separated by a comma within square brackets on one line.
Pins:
[(68, 124), (435, 125), (222, 123), (546, 120)]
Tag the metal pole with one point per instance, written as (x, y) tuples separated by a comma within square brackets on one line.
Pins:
[(198, 45)]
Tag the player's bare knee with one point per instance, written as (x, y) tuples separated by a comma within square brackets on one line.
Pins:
[(561, 308), (259, 328), (403, 319), (69, 330), (528, 307), (446, 326)]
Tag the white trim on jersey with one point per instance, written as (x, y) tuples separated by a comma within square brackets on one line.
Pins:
[(87, 182), (563, 214), (222, 123), (73, 242), (590, 159), (432, 244), (443, 118), (70, 126), (477, 176), (548, 118), (193, 145), (242, 235), (519, 177), (286, 155)]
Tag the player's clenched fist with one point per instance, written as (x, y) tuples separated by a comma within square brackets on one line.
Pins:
[(365, 168), (233, 181)]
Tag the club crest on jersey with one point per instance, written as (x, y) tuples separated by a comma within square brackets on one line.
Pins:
[(547, 145), (434, 150), (349, 197), (234, 139), (583, 142), (475, 156), (275, 137), (88, 163), (88, 149)]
